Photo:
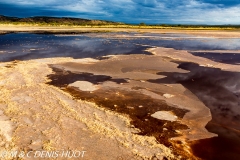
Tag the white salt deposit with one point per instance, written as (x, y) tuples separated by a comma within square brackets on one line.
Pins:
[(164, 115), (84, 86)]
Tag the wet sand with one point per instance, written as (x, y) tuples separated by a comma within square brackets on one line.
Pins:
[(217, 88), (120, 111)]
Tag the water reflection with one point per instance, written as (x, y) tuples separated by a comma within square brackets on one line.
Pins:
[(25, 46), (220, 91), (32, 46), (229, 58)]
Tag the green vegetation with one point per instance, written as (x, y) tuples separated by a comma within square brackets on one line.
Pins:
[(78, 22), (142, 24), (53, 21)]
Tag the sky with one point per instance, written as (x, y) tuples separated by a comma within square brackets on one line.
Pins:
[(130, 11)]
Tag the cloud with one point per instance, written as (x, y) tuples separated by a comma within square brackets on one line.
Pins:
[(222, 3), (206, 13), (26, 11), (131, 11)]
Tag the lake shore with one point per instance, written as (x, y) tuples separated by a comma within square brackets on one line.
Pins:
[(231, 33)]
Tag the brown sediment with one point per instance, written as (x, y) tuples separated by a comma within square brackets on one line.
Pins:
[(137, 106), (102, 58), (223, 147), (137, 70), (63, 78), (218, 90), (12, 64)]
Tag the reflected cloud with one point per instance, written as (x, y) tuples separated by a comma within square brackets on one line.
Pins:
[(24, 46), (219, 91)]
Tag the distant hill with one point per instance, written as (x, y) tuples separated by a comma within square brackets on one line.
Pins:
[(4, 18), (54, 21), (68, 21)]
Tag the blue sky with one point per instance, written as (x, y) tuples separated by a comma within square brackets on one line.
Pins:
[(130, 11)]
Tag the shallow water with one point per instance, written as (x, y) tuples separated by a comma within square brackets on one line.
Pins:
[(229, 58), (25, 46), (220, 91)]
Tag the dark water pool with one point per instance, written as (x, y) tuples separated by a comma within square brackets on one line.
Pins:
[(229, 58), (220, 91), (25, 46)]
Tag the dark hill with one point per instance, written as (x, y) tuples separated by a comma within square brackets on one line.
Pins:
[(4, 18), (54, 20)]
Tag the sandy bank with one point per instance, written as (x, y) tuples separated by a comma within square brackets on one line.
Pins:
[(201, 33), (42, 117)]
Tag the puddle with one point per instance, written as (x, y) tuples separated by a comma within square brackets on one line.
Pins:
[(137, 106), (220, 91)]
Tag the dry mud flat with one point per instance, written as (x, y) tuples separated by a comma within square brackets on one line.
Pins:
[(110, 108)]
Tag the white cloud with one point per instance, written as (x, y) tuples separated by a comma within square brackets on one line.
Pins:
[(150, 11), (32, 2), (197, 12)]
